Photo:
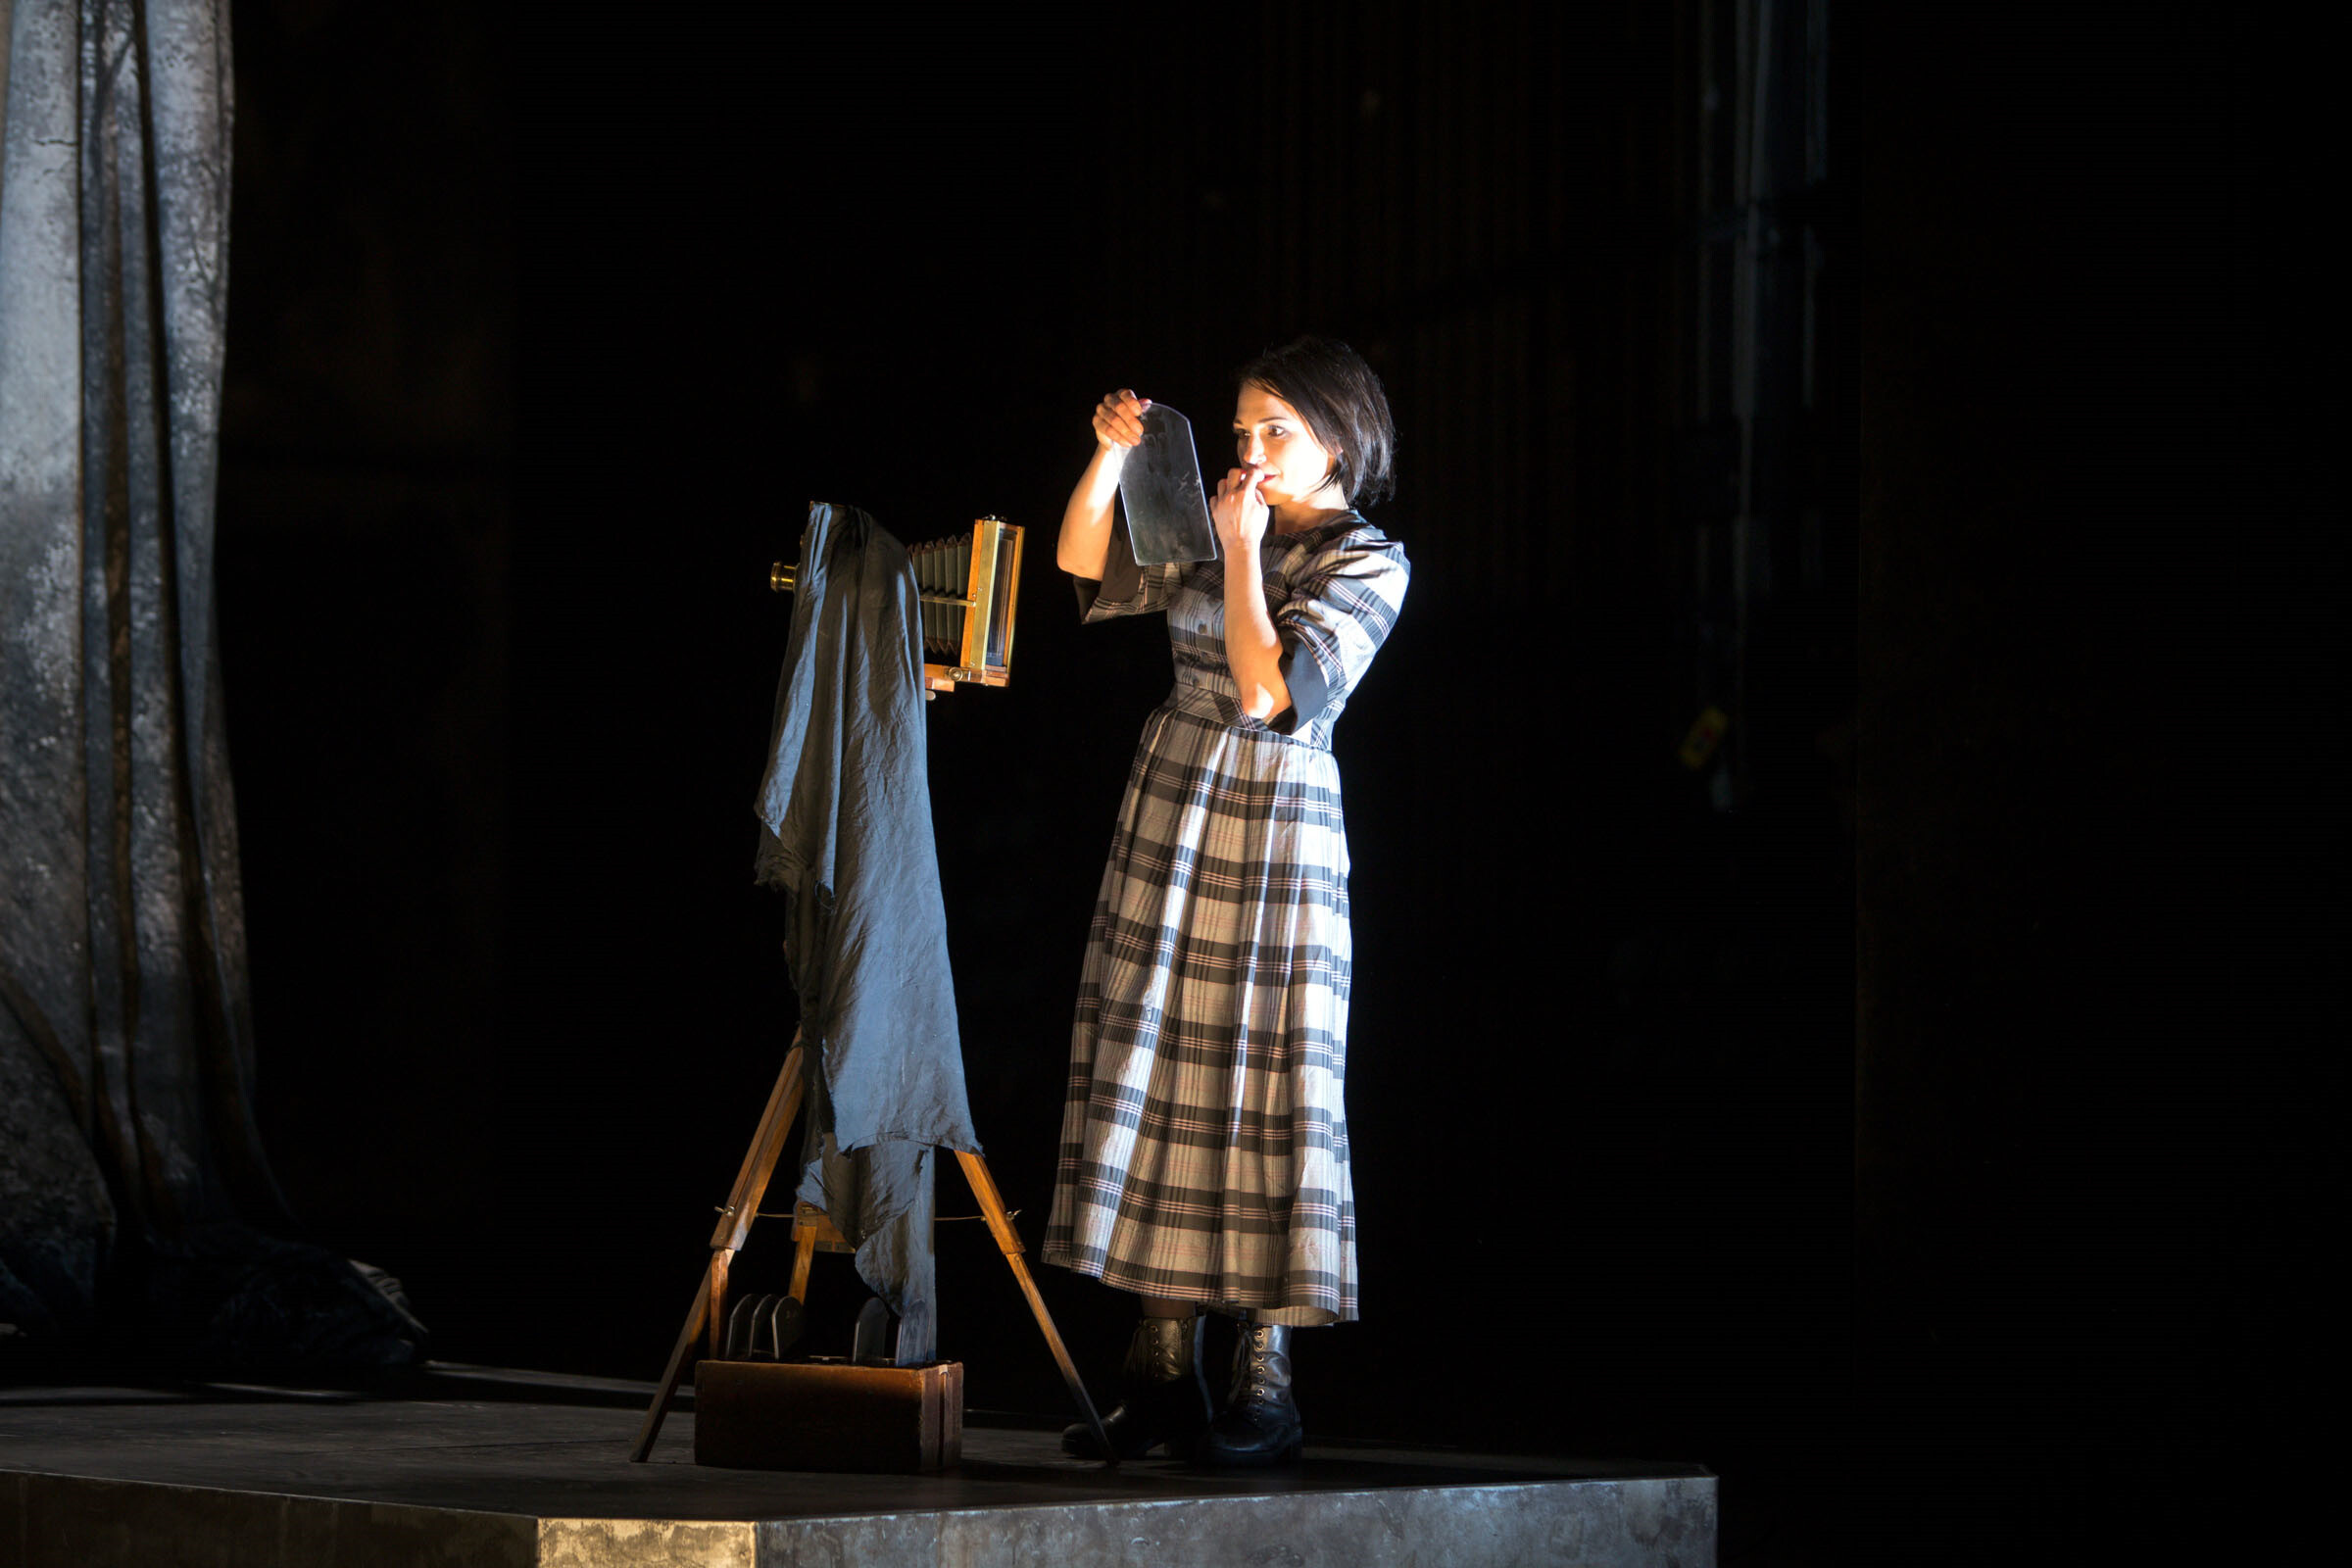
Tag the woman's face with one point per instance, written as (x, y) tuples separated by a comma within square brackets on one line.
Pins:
[(1268, 432)]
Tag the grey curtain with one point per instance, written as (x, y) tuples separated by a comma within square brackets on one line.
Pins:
[(131, 1177)]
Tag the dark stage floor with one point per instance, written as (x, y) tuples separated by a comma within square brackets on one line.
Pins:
[(488, 1468)]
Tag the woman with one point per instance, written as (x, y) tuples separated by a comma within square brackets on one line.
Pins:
[(1205, 1142)]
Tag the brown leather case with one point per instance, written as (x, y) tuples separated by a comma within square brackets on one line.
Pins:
[(828, 1415)]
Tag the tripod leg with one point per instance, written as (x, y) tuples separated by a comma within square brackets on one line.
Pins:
[(760, 1160), (734, 1225), (804, 1253), (670, 1374), (1008, 1241), (715, 1289)]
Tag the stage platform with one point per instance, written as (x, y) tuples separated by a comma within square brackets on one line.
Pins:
[(489, 1469)]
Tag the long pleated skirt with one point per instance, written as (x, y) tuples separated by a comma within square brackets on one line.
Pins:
[(1203, 1152)]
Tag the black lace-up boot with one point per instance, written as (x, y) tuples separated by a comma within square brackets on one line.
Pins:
[(1161, 1395), (1260, 1424)]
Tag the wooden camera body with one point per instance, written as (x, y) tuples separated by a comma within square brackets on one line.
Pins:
[(972, 588)]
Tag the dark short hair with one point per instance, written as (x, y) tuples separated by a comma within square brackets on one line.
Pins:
[(1342, 402)]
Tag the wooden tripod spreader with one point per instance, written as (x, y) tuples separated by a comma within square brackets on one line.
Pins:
[(970, 584)]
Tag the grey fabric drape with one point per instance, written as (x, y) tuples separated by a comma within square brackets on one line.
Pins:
[(125, 1040), (845, 802)]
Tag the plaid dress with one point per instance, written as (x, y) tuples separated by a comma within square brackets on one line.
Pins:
[(1205, 1139)]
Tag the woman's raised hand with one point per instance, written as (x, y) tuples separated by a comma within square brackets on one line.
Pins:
[(1239, 511), (1119, 420)]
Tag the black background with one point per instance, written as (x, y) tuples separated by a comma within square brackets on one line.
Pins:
[(546, 327)]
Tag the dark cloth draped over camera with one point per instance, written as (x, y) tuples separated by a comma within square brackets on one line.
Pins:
[(131, 1177), (846, 808)]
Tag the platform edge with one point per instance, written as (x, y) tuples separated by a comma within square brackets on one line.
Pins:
[(1640, 1522), (49, 1518)]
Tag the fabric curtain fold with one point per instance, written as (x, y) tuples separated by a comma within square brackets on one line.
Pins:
[(126, 1053)]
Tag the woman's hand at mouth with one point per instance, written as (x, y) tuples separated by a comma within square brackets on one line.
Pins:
[(1239, 511)]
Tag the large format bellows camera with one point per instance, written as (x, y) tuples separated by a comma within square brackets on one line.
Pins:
[(971, 585)]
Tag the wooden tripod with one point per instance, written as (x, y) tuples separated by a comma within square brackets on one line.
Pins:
[(743, 1207)]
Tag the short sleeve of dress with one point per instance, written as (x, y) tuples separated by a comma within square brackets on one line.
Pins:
[(1126, 588), (1335, 621)]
